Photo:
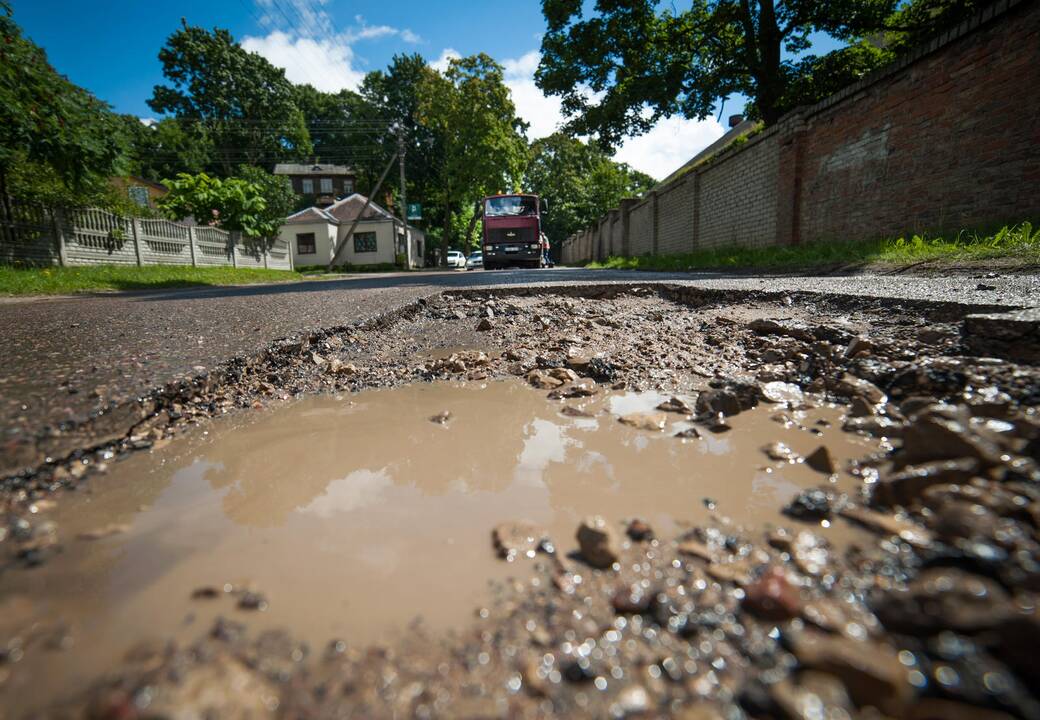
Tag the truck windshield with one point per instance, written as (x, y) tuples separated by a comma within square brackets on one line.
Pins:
[(513, 205)]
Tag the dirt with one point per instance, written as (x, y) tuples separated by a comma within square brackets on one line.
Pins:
[(693, 553)]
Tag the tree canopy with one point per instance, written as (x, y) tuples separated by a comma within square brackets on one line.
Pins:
[(245, 105), (580, 182), (484, 150), (49, 121), (254, 203), (631, 62)]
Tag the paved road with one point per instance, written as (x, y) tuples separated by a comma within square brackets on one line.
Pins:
[(63, 356)]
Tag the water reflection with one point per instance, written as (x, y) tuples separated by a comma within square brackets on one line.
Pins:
[(353, 516)]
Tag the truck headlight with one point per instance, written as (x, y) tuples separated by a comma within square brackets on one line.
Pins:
[(533, 246)]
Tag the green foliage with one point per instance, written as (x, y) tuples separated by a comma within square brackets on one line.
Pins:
[(1019, 242), (339, 125), (255, 204), (41, 183), (813, 77), (632, 62), (239, 101), (470, 110), (65, 280), (580, 182), (396, 96), (45, 120), (166, 148)]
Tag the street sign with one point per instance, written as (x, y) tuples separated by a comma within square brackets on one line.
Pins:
[(415, 211)]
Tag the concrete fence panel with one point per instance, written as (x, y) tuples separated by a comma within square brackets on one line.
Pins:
[(33, 234), (94, 237), (28, 233), (163, 242)]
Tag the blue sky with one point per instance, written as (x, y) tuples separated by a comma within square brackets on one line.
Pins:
[(111, 48)]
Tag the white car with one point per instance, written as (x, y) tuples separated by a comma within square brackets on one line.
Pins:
[(456, 259), (475, 260)]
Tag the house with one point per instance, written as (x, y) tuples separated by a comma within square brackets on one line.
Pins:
[(315, 233), (141, 191), (326, 183)]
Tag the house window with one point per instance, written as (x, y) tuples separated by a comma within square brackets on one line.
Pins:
[(364, 242), (308, 186), (305, 244), (348, 186), (139, 195), (326, 185)]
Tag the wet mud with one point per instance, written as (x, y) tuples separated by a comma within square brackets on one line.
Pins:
[(538, 505)]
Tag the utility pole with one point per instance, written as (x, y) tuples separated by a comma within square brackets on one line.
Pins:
[(404, 200)]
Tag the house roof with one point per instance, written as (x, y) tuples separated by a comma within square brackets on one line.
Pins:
[(310, 215), (311, 169), (347, 209)]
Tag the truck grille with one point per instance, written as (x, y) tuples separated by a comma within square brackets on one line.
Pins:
[(512, 236)]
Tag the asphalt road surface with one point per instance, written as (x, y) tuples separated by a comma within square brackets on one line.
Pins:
[(64, 356)]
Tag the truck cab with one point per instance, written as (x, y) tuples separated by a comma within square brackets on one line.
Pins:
[(512, 233)]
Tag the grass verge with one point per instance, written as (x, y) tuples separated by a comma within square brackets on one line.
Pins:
[(66, 280), (1017, 242)]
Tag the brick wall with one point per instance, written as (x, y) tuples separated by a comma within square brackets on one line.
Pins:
[(949, 141), (675, 216), (946, 138), (641, 229), (738, 198)]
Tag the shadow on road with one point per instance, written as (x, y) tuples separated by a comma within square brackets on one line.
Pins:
[(432, 280)]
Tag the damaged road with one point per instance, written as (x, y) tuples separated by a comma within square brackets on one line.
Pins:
[(928, 612)]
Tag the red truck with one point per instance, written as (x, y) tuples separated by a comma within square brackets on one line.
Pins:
[(513, 231)]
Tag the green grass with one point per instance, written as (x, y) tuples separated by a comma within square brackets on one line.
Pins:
[(1018, 242), (65, 280)]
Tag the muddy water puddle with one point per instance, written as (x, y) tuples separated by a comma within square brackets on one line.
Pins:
[(351, 516)]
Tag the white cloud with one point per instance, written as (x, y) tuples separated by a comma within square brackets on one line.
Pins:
[(148, 121), (327, 64), (304, 41), (447, 55), (543, 112), (669, 144)]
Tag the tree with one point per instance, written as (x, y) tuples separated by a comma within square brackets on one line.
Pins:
[(48, 121), (336, 123), (394, 96), (580, 182), (244, 105), (484, 150), (167, 147), (630, 64), (254, 204), (643, 64)]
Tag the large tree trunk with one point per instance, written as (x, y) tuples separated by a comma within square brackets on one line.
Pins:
[(763, 41)]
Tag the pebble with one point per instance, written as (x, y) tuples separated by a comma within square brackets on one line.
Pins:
[(598, 542)]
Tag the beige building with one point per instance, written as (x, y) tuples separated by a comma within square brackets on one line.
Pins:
[(314, 234)]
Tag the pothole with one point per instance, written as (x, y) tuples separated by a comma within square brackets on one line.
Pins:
[(353, 516), (354, 484)]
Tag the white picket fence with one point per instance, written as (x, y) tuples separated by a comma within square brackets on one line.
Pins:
[(34, 234)]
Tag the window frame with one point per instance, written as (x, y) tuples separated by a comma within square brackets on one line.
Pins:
[(366, 235), (313, 245), (308, 186), (325, 185)]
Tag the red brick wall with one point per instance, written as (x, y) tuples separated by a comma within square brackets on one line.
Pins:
[(947, 138), (950, 140)]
